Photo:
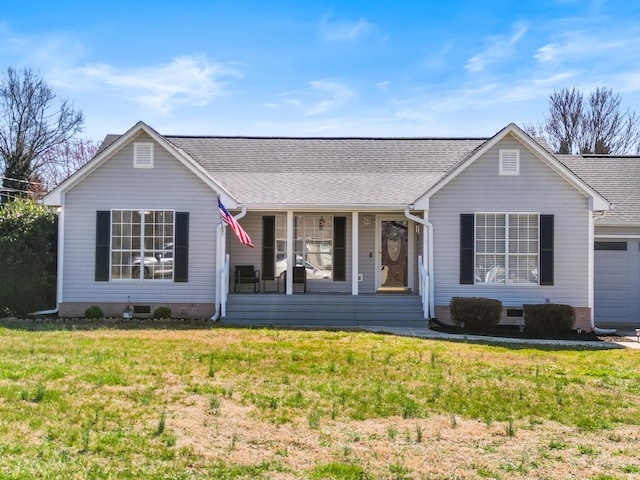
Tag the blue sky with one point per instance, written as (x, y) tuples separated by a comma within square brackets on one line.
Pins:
[(292, 68)]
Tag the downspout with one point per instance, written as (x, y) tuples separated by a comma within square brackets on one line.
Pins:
[(427, 224), (220, 264)]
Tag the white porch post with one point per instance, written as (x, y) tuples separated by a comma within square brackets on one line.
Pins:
[(426, 253), (354, 253), (291, 261)]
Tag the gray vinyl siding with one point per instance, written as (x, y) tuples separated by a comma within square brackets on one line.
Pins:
[(367, 253), (538, 189), (117, 185), (242, 255)]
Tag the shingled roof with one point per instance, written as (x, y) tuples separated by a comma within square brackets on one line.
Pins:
[(325, 171), (374, 172), (617, 178)]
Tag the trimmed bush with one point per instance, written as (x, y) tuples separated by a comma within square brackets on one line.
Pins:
[(549, 319), (94, 312), (27, 258), (475, 314), (162, 312)]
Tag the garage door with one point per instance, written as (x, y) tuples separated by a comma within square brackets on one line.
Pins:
[(617, 283)]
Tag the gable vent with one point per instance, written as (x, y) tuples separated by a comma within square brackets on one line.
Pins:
[(509, 162), (143, 155)]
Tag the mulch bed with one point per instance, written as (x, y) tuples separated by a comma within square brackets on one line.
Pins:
[(513, 331)]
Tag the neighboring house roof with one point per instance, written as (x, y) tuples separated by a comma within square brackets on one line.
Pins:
[(615, 177), (317, 172)]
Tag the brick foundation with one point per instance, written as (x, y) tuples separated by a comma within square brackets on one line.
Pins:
[(178, 310)]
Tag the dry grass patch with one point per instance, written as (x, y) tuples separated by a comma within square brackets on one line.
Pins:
[(240, 403)]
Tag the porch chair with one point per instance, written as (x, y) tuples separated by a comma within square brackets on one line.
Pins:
[(300, 276), (246, 274)]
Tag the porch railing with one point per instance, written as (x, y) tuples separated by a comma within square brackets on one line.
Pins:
[(424, 287), (224, 286)]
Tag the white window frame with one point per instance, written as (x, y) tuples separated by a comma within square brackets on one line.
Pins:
[(509, 162), (143, 154), (143, 245), (510, 258)]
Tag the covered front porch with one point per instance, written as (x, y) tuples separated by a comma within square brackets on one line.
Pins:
[(341, 254)]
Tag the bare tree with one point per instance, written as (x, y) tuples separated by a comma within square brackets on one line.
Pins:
[(564, 124), (62, 160), (595, 126), (606, 128), (31, 122)]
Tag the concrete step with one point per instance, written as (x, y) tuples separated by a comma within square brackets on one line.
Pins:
[(324, 310)]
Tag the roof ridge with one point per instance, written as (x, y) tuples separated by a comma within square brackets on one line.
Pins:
[(254, 137)]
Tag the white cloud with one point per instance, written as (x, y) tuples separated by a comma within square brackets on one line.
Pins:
[(186, 80), (383, 86), (499, 47), (580, 45), (344, 31), (324, 95)]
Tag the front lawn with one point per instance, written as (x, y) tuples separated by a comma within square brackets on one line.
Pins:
[(242, 403)]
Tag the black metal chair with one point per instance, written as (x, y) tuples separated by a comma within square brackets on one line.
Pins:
[(246, 274), (300, 276)]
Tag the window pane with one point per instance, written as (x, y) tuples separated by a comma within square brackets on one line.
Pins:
[(610, 246), (523, 269), (313, 244), (523, 248), (490, 269)]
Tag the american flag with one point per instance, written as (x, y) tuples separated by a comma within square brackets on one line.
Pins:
[(227, 218)]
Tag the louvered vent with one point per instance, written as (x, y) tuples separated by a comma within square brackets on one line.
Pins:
[(143, 155), (510, 162)]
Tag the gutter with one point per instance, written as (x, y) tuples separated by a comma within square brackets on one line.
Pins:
[(429, 226)]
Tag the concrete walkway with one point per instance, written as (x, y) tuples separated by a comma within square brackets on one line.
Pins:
[(630, 340)]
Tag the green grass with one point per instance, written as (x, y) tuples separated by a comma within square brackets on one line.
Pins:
[(98, 404)]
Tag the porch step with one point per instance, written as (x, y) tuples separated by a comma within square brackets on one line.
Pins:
[(324, 310)]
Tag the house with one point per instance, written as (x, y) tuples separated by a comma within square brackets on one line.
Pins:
[(430, 218)]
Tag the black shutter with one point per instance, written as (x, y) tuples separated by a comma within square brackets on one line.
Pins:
[(268, 247), (467, 240), (181, 248), (546, 249), (103, 234), (339, 248)]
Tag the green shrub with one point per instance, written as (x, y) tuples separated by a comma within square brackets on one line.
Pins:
[(475, 314), (549, 319), (94, 312), (162, 312), (27, 257)]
